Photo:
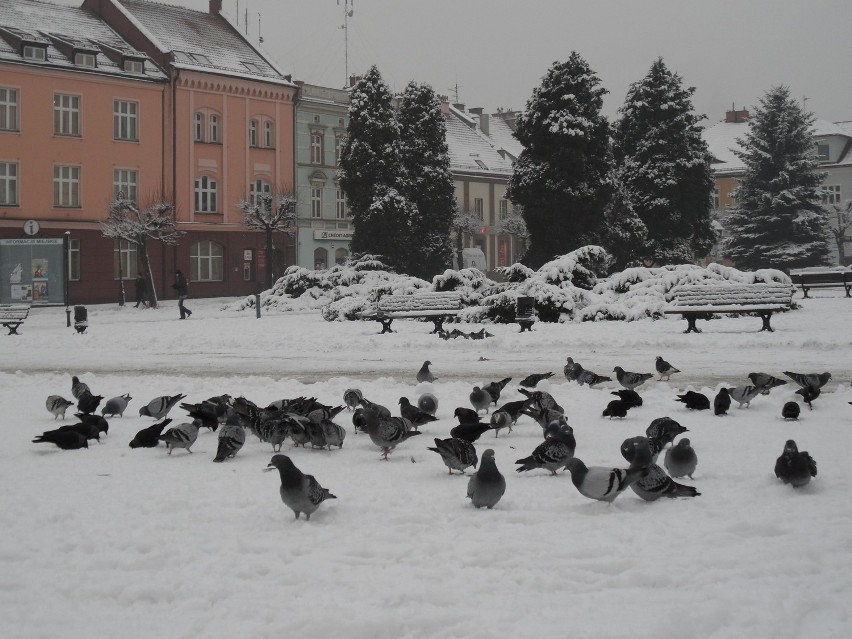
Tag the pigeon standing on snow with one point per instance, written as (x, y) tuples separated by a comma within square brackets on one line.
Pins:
[(428, 403), (231, 439), (656, 483), (466, 415), (665, 369), (159, 407), (616, 408), (744, 394), (300, 493), (571, 369), (486, 486), (681, 460), (629, 397), (480, 399), (149, 437), (457, 454), (694, 401), (495, 388), (722, 402), (630, 380), (531, 381), (116, 405), (414, 414), (501, 419), (553, 453), (66, 440), (816, 380), (791, 411), (765, 382), (88, 403), (57, 405), (665, 429), (181, 436), (794, 467), (352, 397), (388, 432), (97, 421), (378, 409), (470, 432), (590, 378), (78, 387), (809, 394), (605, 484), (424, 375)]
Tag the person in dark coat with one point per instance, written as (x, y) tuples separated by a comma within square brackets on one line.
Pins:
[(180, 286), (141, 291)]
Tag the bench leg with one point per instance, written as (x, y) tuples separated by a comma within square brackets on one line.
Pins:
[(439, 325), (848, 288), (765, 317), (805, 292), (526, 326), (13, 328), (386, 325), (691, 327)]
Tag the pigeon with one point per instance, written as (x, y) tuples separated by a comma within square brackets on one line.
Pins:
[(744, 394), (352, 397), (791, 410), (694, 401), (333, 432), (231, 439), (616, 408), (531, 381), (300, 493), (681, 460), (552, 454), (665, 429), (181, 436), (388, 432), (466, 415), (316, 435), (159, 407), (722, 402), (480, 399), (57, 405), (116, 405), (66, 440), (543, 416), (665, 369), (149, 437), (540, 399), (514, 409), (495, 388), (362, 417), (413, 414), (378, 409), (658, 484), (765, 382), (424, 374), (487, 485), (457, 454), (605, 484), (428, 403), (320, 412), (571, 370), (470, 432), (591, 379), (809, 394), (501, 419), (77, 387), (630, 380), (88, 403), (794, 467), (630, 397), (628, 447), (205, 412), (809, 379), (97, 421), (89, 431)]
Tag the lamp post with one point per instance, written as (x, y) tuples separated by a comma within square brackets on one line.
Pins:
[(66, 246)]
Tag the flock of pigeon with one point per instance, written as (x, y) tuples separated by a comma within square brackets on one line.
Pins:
[(306, 421)]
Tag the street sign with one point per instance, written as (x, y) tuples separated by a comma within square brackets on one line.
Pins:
[(31, 227)]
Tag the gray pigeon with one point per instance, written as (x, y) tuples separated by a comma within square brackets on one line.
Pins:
[(231, 439), (765, 382), (160, 406), (300, 493), (744, 394), (681, 460), (424, 375), (480, 399), (181, 436), (590, 378), (57, 405), (630, 380), (794, 467), (552, 454), (457, 454), (665, 369), (428, 403), (495, 388), (605, 484), (532, 380), (78, 387), (352, 397), (815, 380), (116, 405), (501, 419), (333, 432), (657, 484), (486, 486), (571, 369), (388, 432), (378, 409)]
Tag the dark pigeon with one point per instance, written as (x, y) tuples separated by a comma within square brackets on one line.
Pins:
[(66, 440), (664, 368), (487, 485), (466, 415), (495, 388), (480, 399), (231, 440), (694, 401), (722, 402), (457, 454), (794, 467), (531, 381), (681, 460), (809, 394), (665, 429), (470, 432), (616, 408), (552, 454), (88, 403), (630, 397), (149, 437), (791, 411), (413, 414)]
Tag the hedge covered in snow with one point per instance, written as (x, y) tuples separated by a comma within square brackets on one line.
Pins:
[(566, 289)]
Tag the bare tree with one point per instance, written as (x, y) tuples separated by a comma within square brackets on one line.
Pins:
[(468, 223), (125, 221), (262, 215), (839, 220), (515, 226)]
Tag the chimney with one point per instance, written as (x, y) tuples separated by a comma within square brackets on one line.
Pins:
[(353, 79), (215, 7), (476, 110), (735, 117), (445, 106), (459, 106), (484, 123)]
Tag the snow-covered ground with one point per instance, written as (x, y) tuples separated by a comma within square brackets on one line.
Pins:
[(117, 542)]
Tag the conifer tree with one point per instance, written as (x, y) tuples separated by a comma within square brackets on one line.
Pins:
[(778, 221), (664, 166), (626, 236), (428, 182), (561, 178)]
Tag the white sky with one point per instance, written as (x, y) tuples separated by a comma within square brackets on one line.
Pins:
[(497, 51)]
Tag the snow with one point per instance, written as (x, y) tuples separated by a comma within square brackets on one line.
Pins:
[(113, 541)]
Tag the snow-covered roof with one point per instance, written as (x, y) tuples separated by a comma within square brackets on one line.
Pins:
[(201, 41), (64, 30), (470, 149), (824, 127), (503, 136)]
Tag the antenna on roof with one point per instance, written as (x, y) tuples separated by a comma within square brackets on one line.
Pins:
[(259, 37), (238, 12), (348, 12), (455, 91)]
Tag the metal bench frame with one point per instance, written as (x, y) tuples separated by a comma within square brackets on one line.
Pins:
[(822, 279), (408, 307), (692, 313), (12, 316)]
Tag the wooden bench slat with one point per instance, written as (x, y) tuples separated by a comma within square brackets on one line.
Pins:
[(694, 301)]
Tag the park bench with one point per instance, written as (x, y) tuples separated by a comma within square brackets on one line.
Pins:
[(822, 278), (434, 306), (12, 316), (703, 301)]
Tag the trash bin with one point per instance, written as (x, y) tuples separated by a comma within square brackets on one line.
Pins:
[(81, 321), (525, 312)]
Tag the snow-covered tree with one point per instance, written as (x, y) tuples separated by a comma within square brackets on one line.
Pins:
[(270, 215), (625, 235), (778, 221), (126, 221), (561, 178), (839, 221), (390, 218), (664, 166), (428, 182)]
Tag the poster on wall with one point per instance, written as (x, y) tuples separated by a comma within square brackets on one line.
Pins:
[(32, 270), (22, 293)]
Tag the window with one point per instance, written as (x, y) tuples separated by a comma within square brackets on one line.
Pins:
[(206, 262), (198, 127), (8, 183), (504, 208), (125, 181), (35, 53), (66, 114), (831, 194), (206, 190), (478, 207), (74, 260), (320, 259), (341, 205), (251, 66), (124, 120), (340, 255), (715, 200), (252, 133), (316, 201), (66, 186), (213, 128), (268, 140), (8, 109), (85, 59), (822, 151), (123, 260), (316, 147), (259, 187), (134, 66), (197, 57), (339, 141), (481, 164)]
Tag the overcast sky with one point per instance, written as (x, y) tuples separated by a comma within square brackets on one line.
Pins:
[(496, 51)]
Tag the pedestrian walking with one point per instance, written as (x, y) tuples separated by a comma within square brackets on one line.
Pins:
[(180, 286), (141, 292)]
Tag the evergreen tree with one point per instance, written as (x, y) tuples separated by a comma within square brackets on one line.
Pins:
[(778, 221), (664, 166), (561, 178), (390, 215), (626, 236), (428, 183)]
